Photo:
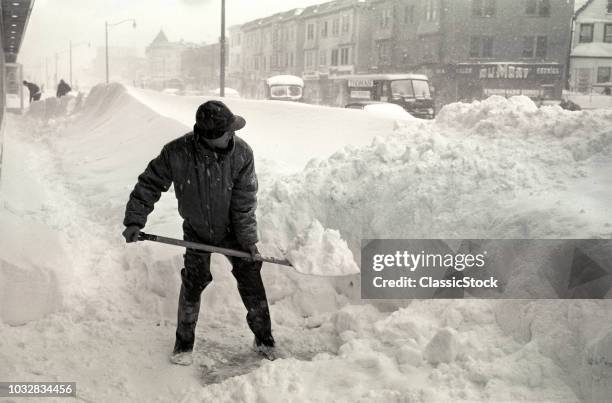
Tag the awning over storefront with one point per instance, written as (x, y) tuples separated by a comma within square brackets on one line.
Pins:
[(14, 16)]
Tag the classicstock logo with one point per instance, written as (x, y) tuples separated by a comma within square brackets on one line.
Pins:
[(501, 268)]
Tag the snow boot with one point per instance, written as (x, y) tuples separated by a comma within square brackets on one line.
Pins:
[(182, 358), (266, 351)]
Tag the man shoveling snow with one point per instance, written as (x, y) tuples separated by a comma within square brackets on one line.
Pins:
[(214, 179)]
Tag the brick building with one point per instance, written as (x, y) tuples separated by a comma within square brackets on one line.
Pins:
[(336, 42), (501, 47), (270, 46), (468, 48)]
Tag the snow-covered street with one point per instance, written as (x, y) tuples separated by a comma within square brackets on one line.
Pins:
[(78, 304)]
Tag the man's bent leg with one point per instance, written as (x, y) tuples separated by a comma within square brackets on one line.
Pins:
[(195, 277), (253, 294)]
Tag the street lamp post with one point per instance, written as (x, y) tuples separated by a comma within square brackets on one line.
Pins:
[(106, 25)]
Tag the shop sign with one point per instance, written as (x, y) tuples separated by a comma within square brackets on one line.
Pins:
[(360, 83)]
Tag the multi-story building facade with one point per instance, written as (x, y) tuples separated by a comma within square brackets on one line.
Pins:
[(503, 47), (469, 48), (234, 70), (270, 46), (336, 42), (591, 56), (163, 61)]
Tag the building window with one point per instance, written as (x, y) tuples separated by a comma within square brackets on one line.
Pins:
[(607, 33), (310, 32), (323, 57), (345, 24), (541, 46), (481, 46), (409, 14), (335, 27), (535, 46), (291, 59), (603, 74), (431, 10), (586, 33), (483, 8), (384, 53), (308, 58), (528, 47), (537, 8), (334, 57), (324, 30), (609, 7), (385, 18), (344, 56)]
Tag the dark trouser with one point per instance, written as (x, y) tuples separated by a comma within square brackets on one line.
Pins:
[(196, 276)]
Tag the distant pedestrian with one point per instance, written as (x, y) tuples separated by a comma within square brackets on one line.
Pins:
[(63, 88), (34, 91)]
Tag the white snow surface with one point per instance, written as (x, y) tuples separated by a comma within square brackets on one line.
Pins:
[(285, 79), (78, 304)]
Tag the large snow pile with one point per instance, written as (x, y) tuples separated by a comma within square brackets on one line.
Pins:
[(498, 168)]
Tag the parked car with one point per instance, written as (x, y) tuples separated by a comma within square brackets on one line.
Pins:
[(410, 91)]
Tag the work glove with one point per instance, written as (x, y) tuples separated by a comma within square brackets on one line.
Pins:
[(131, 233), (252, 249)]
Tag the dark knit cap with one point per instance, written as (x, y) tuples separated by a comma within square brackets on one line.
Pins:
[(213, 118)]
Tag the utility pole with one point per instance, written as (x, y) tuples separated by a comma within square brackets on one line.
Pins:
[(222, 52)]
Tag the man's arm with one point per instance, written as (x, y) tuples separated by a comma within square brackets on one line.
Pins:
[(244, 203), (156, 179)]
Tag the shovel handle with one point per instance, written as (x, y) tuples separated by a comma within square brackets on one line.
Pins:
[(142, 236)]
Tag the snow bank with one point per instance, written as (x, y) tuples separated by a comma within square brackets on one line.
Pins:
[(290, 135), (33, 270), (53, 108), (497, 168)]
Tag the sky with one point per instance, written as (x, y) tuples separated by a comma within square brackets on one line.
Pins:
[(54, 23)]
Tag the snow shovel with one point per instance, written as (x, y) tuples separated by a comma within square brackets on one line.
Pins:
[(213, 249)]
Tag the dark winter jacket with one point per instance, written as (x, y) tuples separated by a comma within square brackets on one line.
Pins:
[(33, 90), (216, 191), (62, 89)]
